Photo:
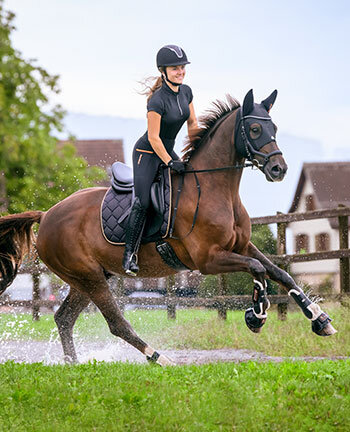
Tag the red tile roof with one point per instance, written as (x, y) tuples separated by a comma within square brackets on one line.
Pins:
[(100, 152), (331, 185)]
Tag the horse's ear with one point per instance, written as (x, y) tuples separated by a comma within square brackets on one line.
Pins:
[(268, 102), (248, 103)]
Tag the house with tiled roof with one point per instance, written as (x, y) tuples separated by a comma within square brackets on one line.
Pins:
[(322, 185), (100, 152)]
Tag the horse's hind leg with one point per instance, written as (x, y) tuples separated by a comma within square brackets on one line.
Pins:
[(321, 322), (66, 317), (119, 326)]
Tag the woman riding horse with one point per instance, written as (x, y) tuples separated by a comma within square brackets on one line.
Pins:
[(169, 105), (71, 243)]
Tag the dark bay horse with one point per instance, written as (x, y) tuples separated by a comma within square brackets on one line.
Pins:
[(71, 244)]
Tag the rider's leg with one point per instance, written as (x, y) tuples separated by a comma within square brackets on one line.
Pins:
[(145, 166), (133, 234)]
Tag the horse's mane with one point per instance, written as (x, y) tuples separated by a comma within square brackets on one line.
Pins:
[(208, 123)]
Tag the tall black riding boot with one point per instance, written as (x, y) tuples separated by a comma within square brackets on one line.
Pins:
[(133, 235)]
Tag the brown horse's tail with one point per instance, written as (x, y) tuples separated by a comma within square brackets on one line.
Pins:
[(16, 238)]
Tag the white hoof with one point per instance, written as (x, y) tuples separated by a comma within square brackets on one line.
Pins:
[(329, 330), (165, 361)]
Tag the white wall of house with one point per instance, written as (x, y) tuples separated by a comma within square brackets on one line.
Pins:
[(314, 271)]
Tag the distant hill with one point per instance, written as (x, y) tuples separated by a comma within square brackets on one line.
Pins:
[(259, 196)]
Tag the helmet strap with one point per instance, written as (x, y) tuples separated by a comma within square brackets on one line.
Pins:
[(166, 75)]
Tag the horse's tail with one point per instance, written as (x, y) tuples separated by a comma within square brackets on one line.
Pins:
[(16, 238)]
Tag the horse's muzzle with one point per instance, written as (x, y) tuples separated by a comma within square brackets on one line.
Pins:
[(275, 171)]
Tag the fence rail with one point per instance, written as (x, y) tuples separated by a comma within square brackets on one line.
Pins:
[(223, 302), (312, 256), (297, 217)]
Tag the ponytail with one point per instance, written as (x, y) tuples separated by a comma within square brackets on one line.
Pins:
[(150, 85)]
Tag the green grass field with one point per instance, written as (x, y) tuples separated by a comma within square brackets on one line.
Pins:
[(98, 396), (222, 397), (200, 329)]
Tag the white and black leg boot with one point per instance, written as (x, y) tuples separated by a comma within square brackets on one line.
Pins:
[(320, 321), (255, 317)]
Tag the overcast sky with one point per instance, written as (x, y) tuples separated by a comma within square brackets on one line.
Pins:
[(102, 48)]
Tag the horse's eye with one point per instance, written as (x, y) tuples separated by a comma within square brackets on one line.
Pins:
[(255, 131)]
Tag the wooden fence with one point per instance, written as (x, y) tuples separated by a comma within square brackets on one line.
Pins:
[(223, 302)]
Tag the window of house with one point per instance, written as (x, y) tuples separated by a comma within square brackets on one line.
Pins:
[(302, 243), (309, 202), (322, 242)]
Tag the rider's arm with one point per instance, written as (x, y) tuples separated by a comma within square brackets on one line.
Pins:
[(192, 124), (153, 120)]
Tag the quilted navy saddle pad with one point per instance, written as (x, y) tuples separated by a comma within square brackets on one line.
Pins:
[(116, 206)]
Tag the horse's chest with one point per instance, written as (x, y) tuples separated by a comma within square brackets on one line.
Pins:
[(240, 238)]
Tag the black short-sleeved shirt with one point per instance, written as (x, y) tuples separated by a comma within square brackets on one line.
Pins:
[(173, 108)]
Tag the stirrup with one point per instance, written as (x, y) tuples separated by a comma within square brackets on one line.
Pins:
[(128, 270)]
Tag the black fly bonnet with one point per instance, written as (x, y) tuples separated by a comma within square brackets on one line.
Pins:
[(249, 141)]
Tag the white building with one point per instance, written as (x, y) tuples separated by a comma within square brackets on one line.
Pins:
[(320, 186)]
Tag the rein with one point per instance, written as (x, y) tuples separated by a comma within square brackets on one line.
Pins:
[(251, 164)]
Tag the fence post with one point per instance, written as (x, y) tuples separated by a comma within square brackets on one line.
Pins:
[(222, 284), (171, 309), (36, 291), (282, 308), (344, 244)]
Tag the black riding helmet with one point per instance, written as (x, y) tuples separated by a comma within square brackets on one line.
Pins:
[(171, 55)]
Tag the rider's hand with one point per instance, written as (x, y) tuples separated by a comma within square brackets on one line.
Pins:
[(177, 166)]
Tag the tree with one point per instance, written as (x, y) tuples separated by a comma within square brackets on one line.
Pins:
[(35, 172)]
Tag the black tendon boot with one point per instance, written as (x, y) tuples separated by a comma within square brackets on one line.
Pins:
[(134, 229)]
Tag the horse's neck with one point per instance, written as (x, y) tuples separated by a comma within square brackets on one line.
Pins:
[(218, 152)]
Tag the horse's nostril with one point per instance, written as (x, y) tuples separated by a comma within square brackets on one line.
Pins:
[(276, 170)]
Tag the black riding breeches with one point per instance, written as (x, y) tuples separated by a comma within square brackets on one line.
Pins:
[(145, 165)]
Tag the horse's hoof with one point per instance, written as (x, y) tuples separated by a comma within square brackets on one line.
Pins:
[(254, 329), (165, 361), (253, 322), (160, 359), (322, 326), (70, 360), (328, 330)]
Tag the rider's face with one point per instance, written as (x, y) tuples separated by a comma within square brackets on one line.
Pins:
[(176, 73)]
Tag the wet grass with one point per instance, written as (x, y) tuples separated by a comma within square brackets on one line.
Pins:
[(200, 329), (219, 397)]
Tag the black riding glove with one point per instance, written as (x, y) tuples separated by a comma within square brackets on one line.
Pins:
[(177, 166)]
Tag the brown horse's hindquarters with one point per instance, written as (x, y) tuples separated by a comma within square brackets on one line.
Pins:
[(67, 234), (71, 243)]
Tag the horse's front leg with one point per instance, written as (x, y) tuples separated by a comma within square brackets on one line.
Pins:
[(222, 261), (321, 322)]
